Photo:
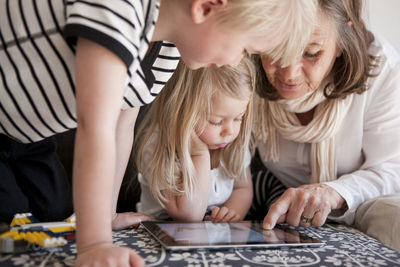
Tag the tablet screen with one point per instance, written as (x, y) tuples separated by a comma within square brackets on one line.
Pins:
[(182, 235)]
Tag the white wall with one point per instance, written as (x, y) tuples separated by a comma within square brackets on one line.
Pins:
[(383, 17)]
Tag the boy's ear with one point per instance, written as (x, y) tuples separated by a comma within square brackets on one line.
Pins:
[(203, 9)]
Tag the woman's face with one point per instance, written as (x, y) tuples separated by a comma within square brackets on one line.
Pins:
[(306, 73)]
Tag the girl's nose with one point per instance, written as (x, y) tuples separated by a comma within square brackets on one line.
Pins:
[(228, 130)]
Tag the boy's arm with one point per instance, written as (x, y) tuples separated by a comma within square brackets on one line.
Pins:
[(124, 139), (100, 77), (242, 195)]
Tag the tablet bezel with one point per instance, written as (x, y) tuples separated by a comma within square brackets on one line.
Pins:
[(168, 242)]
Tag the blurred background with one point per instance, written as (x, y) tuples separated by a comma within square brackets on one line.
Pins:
[(382, 17)]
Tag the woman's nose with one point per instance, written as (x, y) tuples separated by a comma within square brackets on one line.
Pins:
[(293, 70)]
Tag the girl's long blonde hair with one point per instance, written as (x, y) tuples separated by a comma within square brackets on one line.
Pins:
[(168, 125)]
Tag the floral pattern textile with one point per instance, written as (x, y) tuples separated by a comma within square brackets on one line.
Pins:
[(344, 246)]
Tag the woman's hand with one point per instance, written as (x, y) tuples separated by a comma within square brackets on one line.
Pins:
[(106, 254), (128, 219), (222, 214), (305, 205)]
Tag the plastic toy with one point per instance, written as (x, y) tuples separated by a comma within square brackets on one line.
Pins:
[(26, 230)]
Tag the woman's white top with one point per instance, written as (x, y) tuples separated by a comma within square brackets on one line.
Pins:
[(368, 143)]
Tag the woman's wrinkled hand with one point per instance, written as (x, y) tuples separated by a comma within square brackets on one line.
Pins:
[(305, 205)]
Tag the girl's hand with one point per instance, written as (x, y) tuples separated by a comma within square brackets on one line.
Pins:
[(106, 254), (128, 219), (222, 214), (197, 147), (305, 205)]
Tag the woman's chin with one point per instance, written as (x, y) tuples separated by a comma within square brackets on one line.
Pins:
[(290, 95)]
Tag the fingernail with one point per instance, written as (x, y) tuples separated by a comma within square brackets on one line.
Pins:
[(267, 226)]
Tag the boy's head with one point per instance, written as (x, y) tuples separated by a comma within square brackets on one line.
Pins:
[(221, 31)]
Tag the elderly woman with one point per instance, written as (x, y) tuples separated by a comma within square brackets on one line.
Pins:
[(327, 125)]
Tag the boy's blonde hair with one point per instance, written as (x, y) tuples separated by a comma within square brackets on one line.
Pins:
[(182, 105), (290, 22)]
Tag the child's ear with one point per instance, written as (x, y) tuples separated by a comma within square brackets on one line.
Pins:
[(203, 9), (338, 52)]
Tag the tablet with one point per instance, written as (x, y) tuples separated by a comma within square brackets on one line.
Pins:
[(206, 234)]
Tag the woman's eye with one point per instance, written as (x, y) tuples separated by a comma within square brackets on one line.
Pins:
[(311, 55)]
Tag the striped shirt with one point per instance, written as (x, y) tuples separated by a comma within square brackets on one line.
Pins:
[(37, 47)]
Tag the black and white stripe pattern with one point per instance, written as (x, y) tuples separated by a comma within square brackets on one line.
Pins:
[(267, 188), (35, 68), (162, 69), (37, 97)]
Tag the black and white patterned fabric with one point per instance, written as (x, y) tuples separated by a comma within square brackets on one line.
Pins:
[(37, 47), (266, 189), (344, 246)]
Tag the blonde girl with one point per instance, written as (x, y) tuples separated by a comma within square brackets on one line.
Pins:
[(193, 155)]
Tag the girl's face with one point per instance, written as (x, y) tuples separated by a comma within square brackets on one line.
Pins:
[(307, 73), (222, 126)]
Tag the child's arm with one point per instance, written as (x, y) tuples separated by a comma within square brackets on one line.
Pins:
[(100, 77), (238, 204), (182, 208), (124, 142), (124, 139)]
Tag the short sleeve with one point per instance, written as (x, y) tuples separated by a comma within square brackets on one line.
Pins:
[(116, 25)]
